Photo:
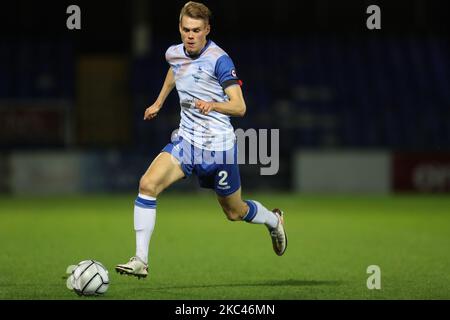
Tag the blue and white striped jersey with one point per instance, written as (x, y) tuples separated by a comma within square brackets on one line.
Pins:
[(203, 77)]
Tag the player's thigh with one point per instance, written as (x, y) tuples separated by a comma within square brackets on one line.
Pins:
[(162, 172), (233, 204)]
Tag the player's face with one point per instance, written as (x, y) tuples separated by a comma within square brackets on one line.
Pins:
[(193, 34)]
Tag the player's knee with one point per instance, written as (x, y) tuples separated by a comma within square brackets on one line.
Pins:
[(149, 187)]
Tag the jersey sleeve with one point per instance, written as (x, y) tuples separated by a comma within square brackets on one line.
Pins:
[(226, 72), (170, 54), (167, 55)]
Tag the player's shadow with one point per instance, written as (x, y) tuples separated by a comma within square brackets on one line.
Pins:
[(267, 283)]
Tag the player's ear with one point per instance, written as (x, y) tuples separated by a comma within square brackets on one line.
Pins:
[(208, 28)]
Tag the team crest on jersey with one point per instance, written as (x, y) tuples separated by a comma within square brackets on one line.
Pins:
[(233, 73), (197, 76)]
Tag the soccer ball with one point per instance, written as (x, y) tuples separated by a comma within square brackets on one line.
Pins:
[(88, 278)]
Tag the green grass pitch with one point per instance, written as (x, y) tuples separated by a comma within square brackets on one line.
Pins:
[(196, 253)]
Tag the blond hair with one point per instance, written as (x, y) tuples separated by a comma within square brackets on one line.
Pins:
[(196, 10)]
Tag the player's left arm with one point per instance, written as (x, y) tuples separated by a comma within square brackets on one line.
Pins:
[(234, 107)]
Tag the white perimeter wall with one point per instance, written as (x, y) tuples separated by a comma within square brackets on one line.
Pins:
[(45, 172), (342, 171)]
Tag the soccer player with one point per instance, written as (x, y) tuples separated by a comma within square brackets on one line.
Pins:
[(210, 93)]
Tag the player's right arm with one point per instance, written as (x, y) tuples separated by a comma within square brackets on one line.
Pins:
[(167, 87)]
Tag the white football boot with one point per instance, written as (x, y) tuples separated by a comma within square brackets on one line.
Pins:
[(278, 234), (135, 267)]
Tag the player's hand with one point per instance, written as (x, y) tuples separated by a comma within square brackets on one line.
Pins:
[(151, 111), (204, 107)]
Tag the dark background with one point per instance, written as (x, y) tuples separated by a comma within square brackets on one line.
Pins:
[(107, 25), (310, 68)]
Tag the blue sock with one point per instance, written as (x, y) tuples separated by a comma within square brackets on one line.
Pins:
[(252, 209), (258, 214)]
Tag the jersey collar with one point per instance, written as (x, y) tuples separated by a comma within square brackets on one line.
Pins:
[(208, 42)]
